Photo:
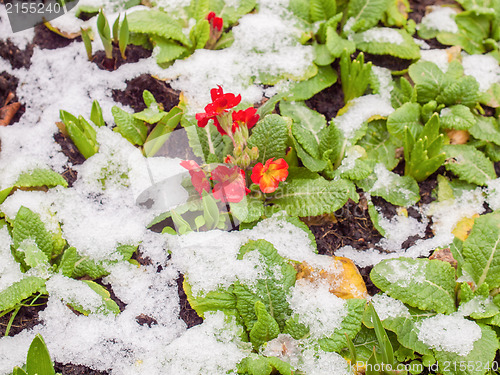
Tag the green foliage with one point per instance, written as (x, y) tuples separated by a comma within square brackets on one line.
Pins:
[(87, 42), (38, 360), (423, 154), (354, 76), (406, 49), (421, 283), (270, 136), (131, 128), (365, 14), (81, 133), (469, 164), (105, 34), (20, 290), (380, 145), (306, 197), (480, 251), (40, 177)]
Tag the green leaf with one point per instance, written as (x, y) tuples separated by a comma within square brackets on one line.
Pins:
[(406, 116), (161, 132), (310, 162), (265, 328), (108, 306), (402, 93), (19, 371), (332, 144), (469, 164), (398, 190), (300, 8), (168, 50), (304, 90), (270, 137), (322, 9), (68, 261), (481, 251), (491, 97), (429, 80), (379, 144), (376, 42), (96, 114), (38, 361), (255, 365), (296, 329), (87, 267), (365, 13), (336, 44), (421, 283), (124, 36), (5, 193), (355, 165), (350, 326), (304, 117), (131, 128), (33, 255), (312, 197), (27, 225), (105, 34), (40, 177), (217, 300), (458, 117), (156, 22), (483, 353), (271, 288), (486, 128), (464, 91), (20, 290), (200, 33), (83, 139)]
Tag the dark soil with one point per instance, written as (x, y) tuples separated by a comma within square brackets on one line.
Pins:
[(8, 84), (133, 54), (132, 95), (74, 156), (18, 58), (187, 314), (46, 39)]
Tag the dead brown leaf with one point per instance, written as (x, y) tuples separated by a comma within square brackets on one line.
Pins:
[(445, 255), (342, 276)]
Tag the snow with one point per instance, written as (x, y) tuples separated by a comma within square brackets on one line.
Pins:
[(237, 67), (388, 307), (10, 271), (437, 56), (21, 38), (317, 308), (483, 68), (189, 355), (285, 347), (441, 19), (493, 194), (322, 363), (449, 333), (360, 110), (382, 35)]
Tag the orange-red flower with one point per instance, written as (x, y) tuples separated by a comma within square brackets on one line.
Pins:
[(231, 186), (269, 176), (221, 104), (198, 177), (249, 117), (215, 22)]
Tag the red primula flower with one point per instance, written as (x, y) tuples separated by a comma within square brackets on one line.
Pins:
[(269, 176), (249, 117), (231, 186), (198, 177), (221, 103), (215, 22)]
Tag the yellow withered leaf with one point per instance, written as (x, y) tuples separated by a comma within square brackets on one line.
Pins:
[(341, 274), (463, 227)]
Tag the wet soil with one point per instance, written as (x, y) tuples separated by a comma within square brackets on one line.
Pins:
[(133, 54)]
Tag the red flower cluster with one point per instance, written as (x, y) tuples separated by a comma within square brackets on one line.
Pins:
[(231, 185), (215, 22), (269, 175), (220, 106)]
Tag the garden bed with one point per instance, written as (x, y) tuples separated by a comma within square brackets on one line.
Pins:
[(117, 225)]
